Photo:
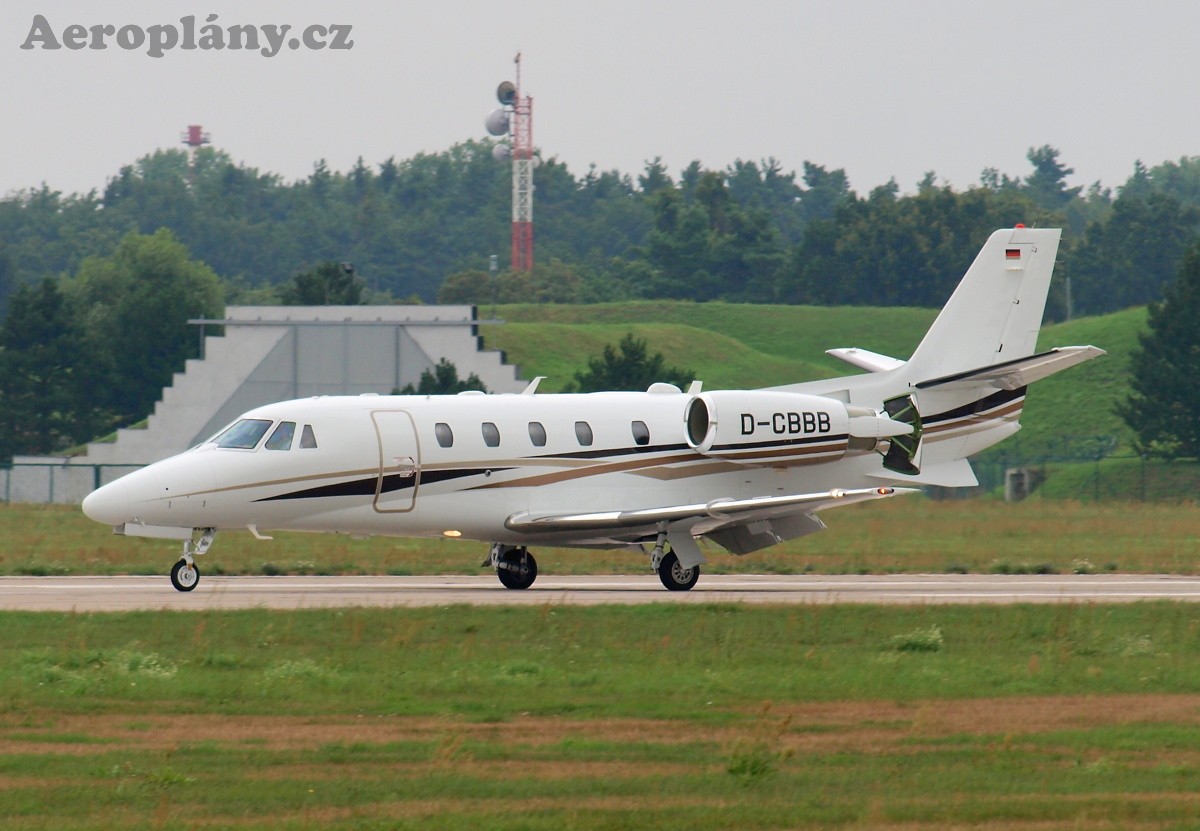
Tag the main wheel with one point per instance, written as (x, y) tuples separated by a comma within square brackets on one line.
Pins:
[(674, 576), (517, 569), (185, 577)]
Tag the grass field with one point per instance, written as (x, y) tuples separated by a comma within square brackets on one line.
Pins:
[(1054, 717), (904, 534)]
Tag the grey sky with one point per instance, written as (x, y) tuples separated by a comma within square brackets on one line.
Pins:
[(882, 89)]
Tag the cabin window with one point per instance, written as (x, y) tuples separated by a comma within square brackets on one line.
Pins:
[(491, 434), (641, 433), (244, 434), (537, 434), (281, 439), (308, 439), (443, 433), (583, 432)]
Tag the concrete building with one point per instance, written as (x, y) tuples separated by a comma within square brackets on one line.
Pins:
[(267, 354)]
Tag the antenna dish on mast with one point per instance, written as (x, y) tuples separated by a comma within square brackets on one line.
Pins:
[(497, 123), (506, 93)]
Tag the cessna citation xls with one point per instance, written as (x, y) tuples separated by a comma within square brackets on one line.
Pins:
[(651, 471)]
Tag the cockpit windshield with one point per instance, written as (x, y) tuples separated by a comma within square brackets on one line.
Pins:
[(281, 439), (244, 434)]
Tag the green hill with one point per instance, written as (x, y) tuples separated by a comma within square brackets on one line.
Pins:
[(1081, 401), (745, 346)]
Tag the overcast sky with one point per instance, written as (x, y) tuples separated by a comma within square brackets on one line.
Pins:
[(882, 89)]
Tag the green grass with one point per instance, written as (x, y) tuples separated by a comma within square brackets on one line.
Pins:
[(1082, 401), (660, 716), (558, 350)]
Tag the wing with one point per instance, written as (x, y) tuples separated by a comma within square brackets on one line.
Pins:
[(740, 525)]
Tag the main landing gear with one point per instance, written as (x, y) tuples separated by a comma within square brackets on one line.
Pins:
[(666, 565), (185, 576), (516, 567)]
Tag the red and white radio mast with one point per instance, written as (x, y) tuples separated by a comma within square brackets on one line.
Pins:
[(194, 138), (515, 120)]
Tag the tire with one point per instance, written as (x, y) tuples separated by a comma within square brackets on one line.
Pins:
[(183, 578), (522, 572), (674, 576)]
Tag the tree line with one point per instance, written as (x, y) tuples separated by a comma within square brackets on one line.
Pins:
[(423, 229)]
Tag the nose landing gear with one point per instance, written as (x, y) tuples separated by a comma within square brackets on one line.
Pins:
[(185, 576)]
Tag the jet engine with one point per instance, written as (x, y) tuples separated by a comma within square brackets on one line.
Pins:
[(763, 427)]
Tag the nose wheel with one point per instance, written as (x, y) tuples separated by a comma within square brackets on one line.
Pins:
[(185, 575)]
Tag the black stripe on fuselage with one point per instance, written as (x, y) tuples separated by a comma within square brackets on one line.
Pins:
[(391, 483)]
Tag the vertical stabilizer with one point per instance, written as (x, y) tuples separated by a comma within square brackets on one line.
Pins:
[(995, 313)]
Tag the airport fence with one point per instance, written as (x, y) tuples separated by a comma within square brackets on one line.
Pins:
[(1088, 469)]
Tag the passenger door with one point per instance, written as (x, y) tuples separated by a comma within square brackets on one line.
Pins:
[(399, 461)]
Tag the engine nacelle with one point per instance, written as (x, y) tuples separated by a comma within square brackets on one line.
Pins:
[(761, 427)]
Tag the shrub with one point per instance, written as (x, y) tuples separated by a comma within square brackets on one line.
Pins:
[(919, 640)]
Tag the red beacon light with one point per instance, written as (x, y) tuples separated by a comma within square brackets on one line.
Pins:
[(1020, 224)]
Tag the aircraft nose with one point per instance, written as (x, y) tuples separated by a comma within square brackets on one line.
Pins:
[(108, 504)]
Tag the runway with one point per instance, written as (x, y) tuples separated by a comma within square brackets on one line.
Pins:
[(111, 594)]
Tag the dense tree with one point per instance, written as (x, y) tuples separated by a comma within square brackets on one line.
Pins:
[(1128, 258), (327, 284), (548, 282), (628, 367), (1163, 407), (133, 307), (705, 245), (443, 380), (1179, 179), (1047, 183), (750, 232), (893, 250), (48, 380)]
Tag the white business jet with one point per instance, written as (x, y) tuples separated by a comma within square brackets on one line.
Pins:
[(649, 471)]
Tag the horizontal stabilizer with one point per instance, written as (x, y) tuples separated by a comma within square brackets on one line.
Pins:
[(864, 359), (1012, 375)]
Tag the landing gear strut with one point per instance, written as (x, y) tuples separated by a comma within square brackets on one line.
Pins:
[(516, 567), (185, 576)]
